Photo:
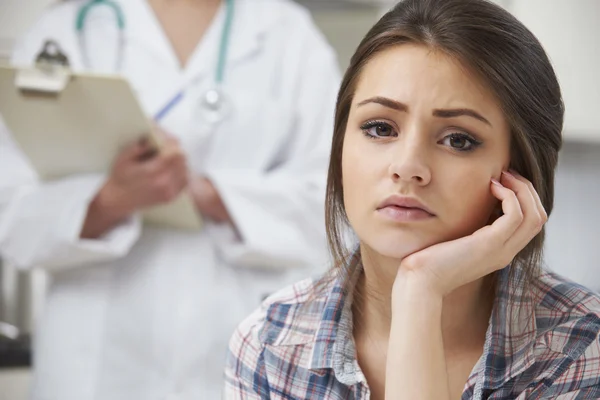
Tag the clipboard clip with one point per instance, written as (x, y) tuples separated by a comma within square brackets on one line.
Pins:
[(51, 73)]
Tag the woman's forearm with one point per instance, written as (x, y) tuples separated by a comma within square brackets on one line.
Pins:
[(416, 365)]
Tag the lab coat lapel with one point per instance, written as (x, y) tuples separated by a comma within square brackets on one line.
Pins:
[(142, 27), (249, 23)]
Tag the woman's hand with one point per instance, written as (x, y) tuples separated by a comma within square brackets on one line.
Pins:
[(447, 266), (416, 365)]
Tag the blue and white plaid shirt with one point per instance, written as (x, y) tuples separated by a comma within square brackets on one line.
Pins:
[(542, 343)]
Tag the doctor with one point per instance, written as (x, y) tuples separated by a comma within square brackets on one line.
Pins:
[(139, 312)]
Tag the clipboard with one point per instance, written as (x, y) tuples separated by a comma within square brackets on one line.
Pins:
[(75, 123)]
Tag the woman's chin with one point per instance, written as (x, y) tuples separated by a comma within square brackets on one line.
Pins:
[(396, 248)]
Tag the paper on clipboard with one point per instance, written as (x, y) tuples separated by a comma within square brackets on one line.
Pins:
[(72, 123)]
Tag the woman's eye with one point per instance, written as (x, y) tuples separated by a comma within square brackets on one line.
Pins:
[(377, 129), (461, 142)]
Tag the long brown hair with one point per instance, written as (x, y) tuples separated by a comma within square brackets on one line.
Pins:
[(505, 55)]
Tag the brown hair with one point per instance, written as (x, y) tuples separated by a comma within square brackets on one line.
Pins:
[(508, 59)]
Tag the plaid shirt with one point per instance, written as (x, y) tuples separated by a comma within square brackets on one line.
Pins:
[(299, 345)]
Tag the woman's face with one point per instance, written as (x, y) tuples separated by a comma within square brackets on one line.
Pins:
[(424, 138)]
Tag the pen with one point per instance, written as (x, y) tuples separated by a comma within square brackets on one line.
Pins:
[(165, 110)]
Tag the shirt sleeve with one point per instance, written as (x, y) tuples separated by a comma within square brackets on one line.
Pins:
[(588, 393), (577, 376)]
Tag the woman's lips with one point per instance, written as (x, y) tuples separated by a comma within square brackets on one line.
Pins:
[(403, 214)]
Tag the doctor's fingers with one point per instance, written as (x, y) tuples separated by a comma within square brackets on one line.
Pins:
[(162, 135), (173, 161), (168, 186), (134, 152), (171, 147)]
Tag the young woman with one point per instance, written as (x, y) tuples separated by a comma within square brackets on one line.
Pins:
[(447, 133)]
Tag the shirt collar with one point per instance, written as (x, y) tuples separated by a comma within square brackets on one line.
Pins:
[(335, 326), (509, 348)]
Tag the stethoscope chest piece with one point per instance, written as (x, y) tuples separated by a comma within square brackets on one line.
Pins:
[(214, 105)]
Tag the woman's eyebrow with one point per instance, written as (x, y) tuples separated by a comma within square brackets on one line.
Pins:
[(441, 113), (460, 112), (384, 101)]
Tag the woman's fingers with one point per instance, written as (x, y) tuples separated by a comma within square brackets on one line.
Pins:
[(534, 193), (530, 205), (526, 199), (505, 227)]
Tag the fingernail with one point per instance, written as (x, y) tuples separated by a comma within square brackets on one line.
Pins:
[(513, 172), (495, 182), (508, 174)]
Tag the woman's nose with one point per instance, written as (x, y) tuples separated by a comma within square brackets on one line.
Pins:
[(409, 161)]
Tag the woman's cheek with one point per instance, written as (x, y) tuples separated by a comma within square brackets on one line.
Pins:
[(469, 205)]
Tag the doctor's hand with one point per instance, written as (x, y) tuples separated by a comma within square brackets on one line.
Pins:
[(140, 178), (208, 201), (444, 267)]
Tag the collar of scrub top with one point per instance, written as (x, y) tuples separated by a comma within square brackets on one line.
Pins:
[(213, 97)]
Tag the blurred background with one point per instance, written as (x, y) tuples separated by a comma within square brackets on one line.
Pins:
[(571, 35)]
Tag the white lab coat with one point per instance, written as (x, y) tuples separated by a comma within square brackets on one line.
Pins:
[(146, 313)]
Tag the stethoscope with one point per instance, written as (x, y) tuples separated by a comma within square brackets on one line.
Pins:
[(214, 104)]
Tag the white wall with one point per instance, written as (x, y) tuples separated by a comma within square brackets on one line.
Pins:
[(345, 29), (570, 34), (15, 18), (573, 238)]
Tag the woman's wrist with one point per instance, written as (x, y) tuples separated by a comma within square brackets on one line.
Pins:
[(415, 366), (414, 287)]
